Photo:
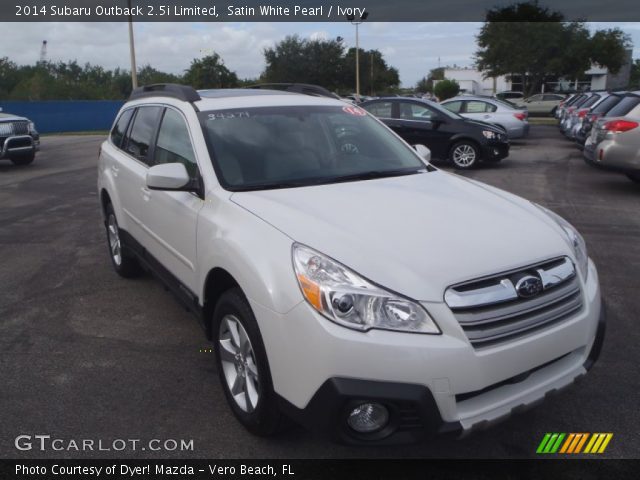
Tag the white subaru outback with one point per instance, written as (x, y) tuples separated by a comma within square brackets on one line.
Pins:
[(345, 282)]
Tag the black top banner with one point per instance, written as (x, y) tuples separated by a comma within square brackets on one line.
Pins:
[(296, 10)]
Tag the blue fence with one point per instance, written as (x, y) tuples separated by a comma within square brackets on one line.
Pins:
[(66, 116)]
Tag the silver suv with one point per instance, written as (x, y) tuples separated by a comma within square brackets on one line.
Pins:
[(19, 140)]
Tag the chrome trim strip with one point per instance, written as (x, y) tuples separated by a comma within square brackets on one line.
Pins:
[(500, 292), (505, 290), (557, 274)]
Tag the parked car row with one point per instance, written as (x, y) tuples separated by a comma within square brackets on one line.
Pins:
[(605, 125)]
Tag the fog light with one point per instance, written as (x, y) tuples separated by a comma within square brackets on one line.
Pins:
[(368, 418)]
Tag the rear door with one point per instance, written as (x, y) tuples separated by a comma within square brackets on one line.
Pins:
[(171, 218), (479, 110)]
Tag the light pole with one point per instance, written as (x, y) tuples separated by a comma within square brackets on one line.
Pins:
[(132, 50), (357, 21)]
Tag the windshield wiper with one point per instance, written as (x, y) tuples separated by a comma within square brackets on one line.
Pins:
[(373, 174), (368, 175)]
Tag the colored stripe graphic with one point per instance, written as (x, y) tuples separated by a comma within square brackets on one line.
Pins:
[(573, 443)]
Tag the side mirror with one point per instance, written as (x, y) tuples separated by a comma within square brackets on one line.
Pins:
[(169, 176), (424, 152)]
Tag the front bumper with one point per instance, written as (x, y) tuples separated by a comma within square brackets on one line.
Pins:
[(495, 151), (18, 145), (431, 384)]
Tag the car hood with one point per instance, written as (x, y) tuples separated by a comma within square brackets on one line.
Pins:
[(7, 117), (415, 234), (483, 125)]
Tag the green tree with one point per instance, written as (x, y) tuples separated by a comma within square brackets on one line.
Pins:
[(446, 89), (426, 84), (210, 72), (382, 78), (305, 61), (533, 41)]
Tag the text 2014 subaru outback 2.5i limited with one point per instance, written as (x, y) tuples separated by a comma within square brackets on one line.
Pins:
[(333, 269)]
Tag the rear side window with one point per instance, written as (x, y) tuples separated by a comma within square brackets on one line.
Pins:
[(607, 104), (380, 109), (625, 106), (593, 99), (120, 128), (551, 98), (474, 106), (174, 144), (144, 125), (453, 106)]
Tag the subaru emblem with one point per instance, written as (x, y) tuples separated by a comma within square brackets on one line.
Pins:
[(528, 286)]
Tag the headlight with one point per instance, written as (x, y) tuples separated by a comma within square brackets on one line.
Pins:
[(347, 299), (490, 134), (575, 240), (32, 127)]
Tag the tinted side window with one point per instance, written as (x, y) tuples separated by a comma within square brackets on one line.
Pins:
[(453, 106), (475, 106), (551, 98), (414, 111), (142, 131), (624, 107), (174, 144), (379, 109), (120, 128), (607, 104)]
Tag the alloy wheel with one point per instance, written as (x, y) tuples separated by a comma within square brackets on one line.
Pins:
[(464, 155), (239, 363), (114, 240)]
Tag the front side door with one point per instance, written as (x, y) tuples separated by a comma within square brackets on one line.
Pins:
[(131, 170), (420, 124), (536, 104), (170, 218)]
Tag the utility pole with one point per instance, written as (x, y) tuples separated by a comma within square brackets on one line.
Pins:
[(43, 52), (357, 21), (132, 50), (371, 90)]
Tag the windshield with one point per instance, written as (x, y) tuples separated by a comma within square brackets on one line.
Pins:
[(282, 147), (442, 109)]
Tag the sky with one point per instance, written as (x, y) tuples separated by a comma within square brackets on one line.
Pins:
[(413, 48)]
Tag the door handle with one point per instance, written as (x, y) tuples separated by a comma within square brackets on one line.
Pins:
[(487, 116)]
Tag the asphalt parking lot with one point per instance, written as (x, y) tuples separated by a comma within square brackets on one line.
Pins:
[(85, 354)]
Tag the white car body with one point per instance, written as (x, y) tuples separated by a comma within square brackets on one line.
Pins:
[(410, 235)]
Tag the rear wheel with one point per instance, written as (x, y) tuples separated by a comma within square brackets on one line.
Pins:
[(634, 177), (242, 365), (553, 111), (464, 155), (23, 159), (125, 265)]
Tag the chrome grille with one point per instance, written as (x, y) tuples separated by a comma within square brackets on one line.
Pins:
[(14, 128), (490, 311)]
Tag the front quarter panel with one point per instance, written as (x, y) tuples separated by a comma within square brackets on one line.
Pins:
[(254, 253)]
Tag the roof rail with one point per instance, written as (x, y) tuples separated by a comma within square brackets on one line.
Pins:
[(173, 90), (303, 88)]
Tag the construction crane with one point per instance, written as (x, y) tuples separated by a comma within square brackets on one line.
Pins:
[(43, 52)]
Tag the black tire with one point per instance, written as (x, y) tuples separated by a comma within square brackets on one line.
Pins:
[(553, 111), (264, 419), (22, 160), (460, 154), (634, 177), (124, 264)]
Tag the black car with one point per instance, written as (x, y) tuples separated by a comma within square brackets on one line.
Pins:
[(19, 140), (448, 135)]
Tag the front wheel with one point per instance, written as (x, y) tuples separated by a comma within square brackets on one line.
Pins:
[(464, 155), (242, 365)]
